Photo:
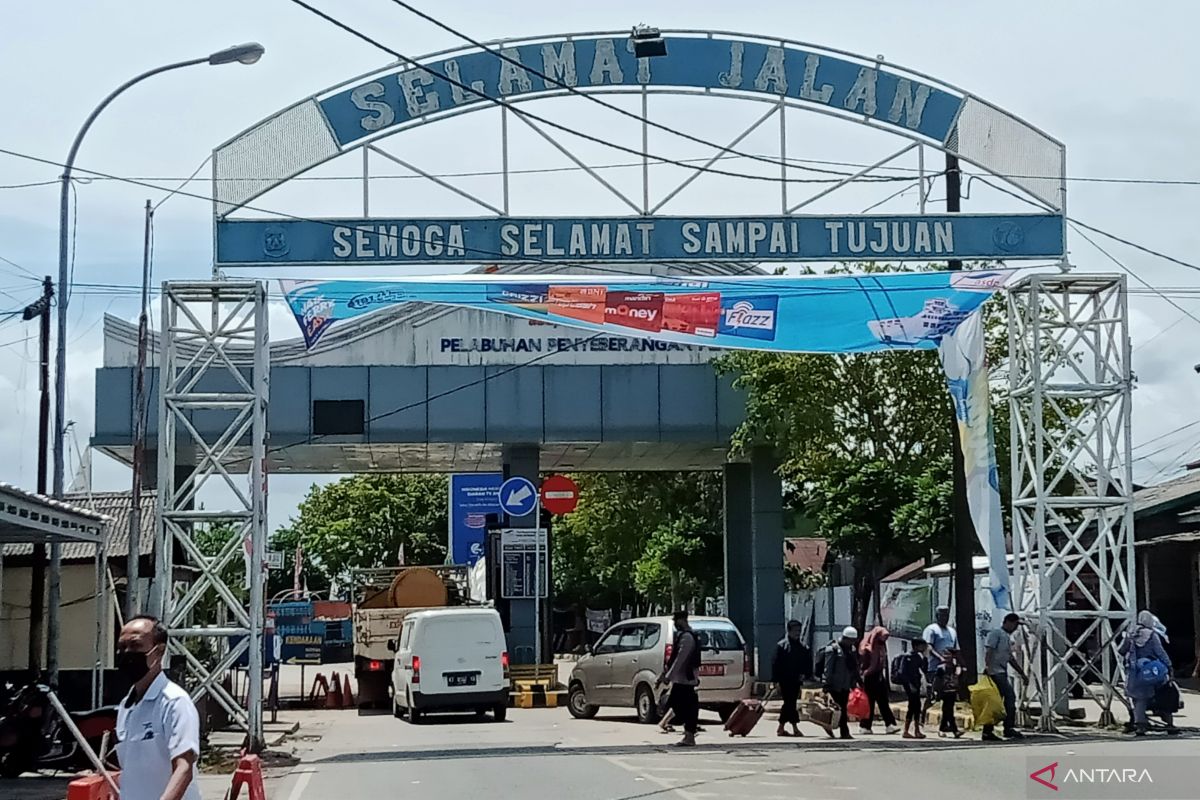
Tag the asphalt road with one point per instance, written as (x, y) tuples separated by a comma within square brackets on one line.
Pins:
[(544, 754)]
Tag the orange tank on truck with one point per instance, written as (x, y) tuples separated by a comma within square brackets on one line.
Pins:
[(384, 597)]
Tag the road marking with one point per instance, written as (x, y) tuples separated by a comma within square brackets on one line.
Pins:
[(664, 783), (722, 770), (301, 784)]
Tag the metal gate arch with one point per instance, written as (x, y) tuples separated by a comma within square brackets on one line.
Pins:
[(300, 137)]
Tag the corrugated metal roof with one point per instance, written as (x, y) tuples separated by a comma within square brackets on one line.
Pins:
[(116, 508), (1183, 491)]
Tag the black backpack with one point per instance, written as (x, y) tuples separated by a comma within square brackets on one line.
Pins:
[(899, 667), (823, 660)]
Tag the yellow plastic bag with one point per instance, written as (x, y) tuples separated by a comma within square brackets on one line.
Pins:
[(986, 702)]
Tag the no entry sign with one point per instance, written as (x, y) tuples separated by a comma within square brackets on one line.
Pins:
[(560, 495)]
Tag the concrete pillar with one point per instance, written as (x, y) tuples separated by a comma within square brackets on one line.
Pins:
[(522, 460), (739, 591), (766, 515)]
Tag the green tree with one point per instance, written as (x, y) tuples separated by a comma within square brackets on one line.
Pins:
[(862, 439), (364, 521), (651, 537)]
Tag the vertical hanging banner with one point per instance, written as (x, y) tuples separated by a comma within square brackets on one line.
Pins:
[(964, 361), (473, 496), (812, 313)]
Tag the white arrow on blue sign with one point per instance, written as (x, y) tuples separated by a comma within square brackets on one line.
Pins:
[(518, 497)]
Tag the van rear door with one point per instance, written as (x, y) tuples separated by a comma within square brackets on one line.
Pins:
[(460, 653), (722, 654)]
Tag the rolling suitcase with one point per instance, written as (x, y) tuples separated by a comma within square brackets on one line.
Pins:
[(746, 715)]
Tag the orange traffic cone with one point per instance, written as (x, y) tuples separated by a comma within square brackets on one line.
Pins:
[(249, 773), (334, 698), (347, 695)]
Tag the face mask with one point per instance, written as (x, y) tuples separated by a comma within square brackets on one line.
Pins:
[(132, 665)]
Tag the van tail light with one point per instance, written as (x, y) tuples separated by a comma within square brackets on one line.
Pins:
[(375, 666), (747, 666), (504, 663), (416, 669), (667, 657)]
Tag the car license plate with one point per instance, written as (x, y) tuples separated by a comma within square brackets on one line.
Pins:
[(711, 670), (461, 678)]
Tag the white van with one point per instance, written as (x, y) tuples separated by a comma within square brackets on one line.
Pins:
[(450, 659)]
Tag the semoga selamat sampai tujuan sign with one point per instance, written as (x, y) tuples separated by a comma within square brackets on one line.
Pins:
[(632, 239)]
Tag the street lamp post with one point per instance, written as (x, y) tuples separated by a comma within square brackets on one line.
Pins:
[(240, 54)]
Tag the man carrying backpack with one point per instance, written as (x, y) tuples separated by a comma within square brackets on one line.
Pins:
[(839, 674)]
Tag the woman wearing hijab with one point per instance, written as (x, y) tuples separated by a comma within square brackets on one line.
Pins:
[(1146, 642), (872, 662)]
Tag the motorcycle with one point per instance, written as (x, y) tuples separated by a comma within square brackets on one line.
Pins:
[(33, 737)]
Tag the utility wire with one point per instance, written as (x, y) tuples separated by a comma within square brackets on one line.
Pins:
[(527, 115), (1131, 273), (710, 279), (575, 91)]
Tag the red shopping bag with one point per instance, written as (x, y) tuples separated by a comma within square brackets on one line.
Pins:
[(858, 707)]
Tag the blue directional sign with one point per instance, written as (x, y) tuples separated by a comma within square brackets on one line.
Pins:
[(518, 497)]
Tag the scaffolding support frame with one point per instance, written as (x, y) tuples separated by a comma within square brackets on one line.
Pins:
[(1070, 400), (214, 315)]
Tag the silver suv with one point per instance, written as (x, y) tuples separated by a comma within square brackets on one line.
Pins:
[(624, 664)]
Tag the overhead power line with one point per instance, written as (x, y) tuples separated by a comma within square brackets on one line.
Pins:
[(527, 115)]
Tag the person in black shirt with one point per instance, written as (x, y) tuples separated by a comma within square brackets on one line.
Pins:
[(913, 680), (683, 674), (788, 670)]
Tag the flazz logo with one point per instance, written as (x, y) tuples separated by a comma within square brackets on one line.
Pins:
[(1037, 776), (752, 317)]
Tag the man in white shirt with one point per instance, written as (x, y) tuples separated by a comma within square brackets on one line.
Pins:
[(941, 638), (158, 729)]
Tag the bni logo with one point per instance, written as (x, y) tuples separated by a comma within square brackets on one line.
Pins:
[(749, 317)]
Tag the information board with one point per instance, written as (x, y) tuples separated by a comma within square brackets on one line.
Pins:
[(519, 547)]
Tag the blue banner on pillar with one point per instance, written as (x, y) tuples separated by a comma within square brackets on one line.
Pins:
[(473, 496)]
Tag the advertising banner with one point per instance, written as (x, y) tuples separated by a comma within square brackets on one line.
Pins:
[(813, 313), (906, 608), (964, 360), (473, 496)]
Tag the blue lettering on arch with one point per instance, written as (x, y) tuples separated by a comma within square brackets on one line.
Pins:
[(397, 98)]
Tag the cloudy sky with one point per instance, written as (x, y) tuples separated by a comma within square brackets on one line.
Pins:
[(1112, 82)]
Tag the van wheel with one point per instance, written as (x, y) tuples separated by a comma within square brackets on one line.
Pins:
[(578, 705), (500, 712), (415, 717), (397, 711), (647, 706)]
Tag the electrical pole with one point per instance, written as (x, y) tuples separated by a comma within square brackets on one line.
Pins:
[(37, 583), (964, 527), (132, 601)]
